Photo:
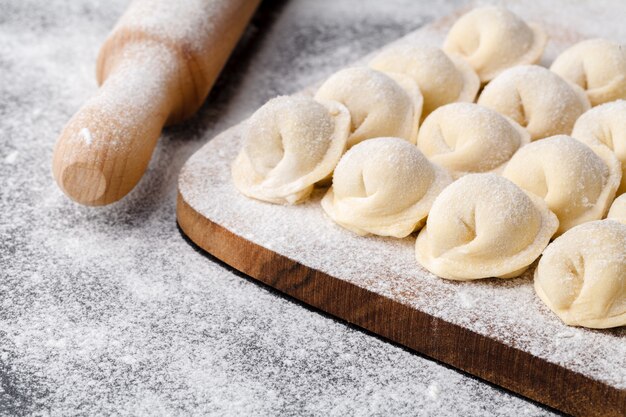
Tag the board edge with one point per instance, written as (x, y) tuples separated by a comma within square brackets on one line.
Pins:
[(488, 359)]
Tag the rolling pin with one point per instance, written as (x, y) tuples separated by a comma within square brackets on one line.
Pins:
[(155, 69)]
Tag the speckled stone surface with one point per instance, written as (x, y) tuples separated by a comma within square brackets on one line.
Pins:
[(111, 311)]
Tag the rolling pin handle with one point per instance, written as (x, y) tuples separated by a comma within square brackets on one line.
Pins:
[(105, 148)]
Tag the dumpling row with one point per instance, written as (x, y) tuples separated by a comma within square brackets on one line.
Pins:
[(582, 274), (292, 143), (392, 176)]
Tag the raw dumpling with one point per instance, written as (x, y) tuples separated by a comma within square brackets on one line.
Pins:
[(598, 66), (577, 183), (442, 78), (493, 39), (605, 125), (481, 226), (379, 104), (617, 211), (466, 137), (582, 275), (536, 98), (383, 186), (290, 143)]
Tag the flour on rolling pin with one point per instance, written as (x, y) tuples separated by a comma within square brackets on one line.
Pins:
[(195, 19), (86, 135), (156, 68)]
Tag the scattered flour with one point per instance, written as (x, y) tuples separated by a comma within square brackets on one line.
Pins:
[(434, 391), (465, 299), (11, 158)]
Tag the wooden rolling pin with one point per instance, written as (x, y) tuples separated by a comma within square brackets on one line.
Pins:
[(155, 69)]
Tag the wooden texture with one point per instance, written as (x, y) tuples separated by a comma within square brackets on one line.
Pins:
[(156, 68), (454, 345)]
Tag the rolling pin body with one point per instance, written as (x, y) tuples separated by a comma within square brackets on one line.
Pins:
[(156, 68)]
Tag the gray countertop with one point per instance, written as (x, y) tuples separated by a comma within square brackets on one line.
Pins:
[(111, 311)]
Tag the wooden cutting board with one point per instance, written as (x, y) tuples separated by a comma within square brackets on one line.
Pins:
[(497, 330)]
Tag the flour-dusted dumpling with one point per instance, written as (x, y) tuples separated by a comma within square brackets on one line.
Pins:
[(442, 78), (582, 275), (605, 125), (598, 66), (536, 98), (290, 143), (481, 226), (466, 137), (383, 186), (493, 39), (577, 183), (379, 104), (617, 211)]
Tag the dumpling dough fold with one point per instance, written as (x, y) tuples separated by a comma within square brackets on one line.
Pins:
[(605, 125), (598, 66), (617, 211), (481, 226), (469, 138), (379, 104), (290, 143), (383, 186), (442, 78), (582, 275), (493, 39), (577, 183), (536, 98)]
